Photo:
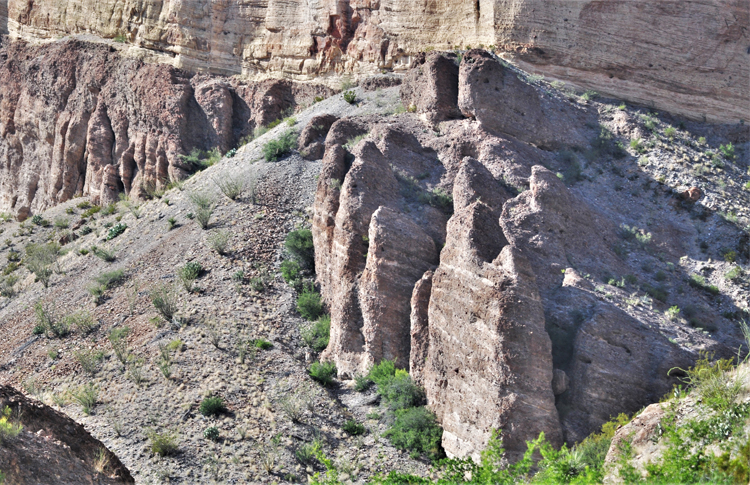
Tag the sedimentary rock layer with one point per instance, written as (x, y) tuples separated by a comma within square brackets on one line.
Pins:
[(79, 119), (686, 57)]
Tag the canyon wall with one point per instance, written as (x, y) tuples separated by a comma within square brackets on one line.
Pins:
[(79, 119), (691, 58), (461, 253)]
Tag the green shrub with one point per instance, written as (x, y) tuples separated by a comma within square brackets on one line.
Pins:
[(89, 360), (733, 273), (164, 299), (103, 254), (262, 344), (111, 279), (317, 335), (230, 186), (204, 207), (353, 427), (670, 132), (188, 273), (218, 241), (276, 149), (323, 372), (361, 383), (291, 271), (699, 281), (85, 230), (416, 430), (9, 430), (162, 444), (86, 396), (40, 259), (309, 304), (116, 230), (91, 211), (350, 97), (728, 151), (400, 392), (211, 433), (300, 245), (82, 321), (118, 337), (211, 406), (62, 223), (49, 322), (382, 373), (201, 160)]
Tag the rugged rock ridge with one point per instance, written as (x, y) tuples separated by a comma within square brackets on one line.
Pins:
[(54, 449), (505, 328), (79, 119), (697, 65)]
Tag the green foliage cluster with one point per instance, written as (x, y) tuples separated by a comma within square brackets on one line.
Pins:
[(299, 244), (116, 230), (350, 97), (282, 146), (211, 406), (164, 443), (204, 206), (699, 281), (323, 372), (188, 273), (309, 303), (317, 335), (40, 259), (200, 159), (8, 428)]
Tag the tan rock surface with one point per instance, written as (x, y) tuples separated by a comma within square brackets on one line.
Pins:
[(688, 58)]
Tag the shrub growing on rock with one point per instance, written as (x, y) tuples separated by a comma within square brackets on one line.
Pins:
[(162, 444), (354, 427), (164, 300)]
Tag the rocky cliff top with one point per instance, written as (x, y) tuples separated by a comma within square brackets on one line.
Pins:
[(689, 58)]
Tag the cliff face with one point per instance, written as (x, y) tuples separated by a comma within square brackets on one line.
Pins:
[(686, 57), (513, 323), (79, 119)]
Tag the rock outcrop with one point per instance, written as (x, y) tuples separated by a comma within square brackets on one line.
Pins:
[(505, 328), (79, 119), (54, 449), (697, 65)]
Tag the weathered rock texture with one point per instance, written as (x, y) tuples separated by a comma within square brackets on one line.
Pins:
[(504, 328), (79, 119), (53, 449), (697, 64)]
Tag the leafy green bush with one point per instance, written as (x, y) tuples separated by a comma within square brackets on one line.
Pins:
[(188, 273), (276, 149), (218, 241), (111, 279), (204, 207), (262, 344), (162, 444), (103, 253), (382, 373), (317, 335), (211, 433), (40, 259), (211, 406), (309, 304), (291, 271), (49, 322), (116, 230), (699, 281), (164, 299), (400, 391), (353, 427), (361, 383), (350, 97), (728, 151), (87, 396), (8, 429), (300, 245), (323, 372), (416, 430)]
